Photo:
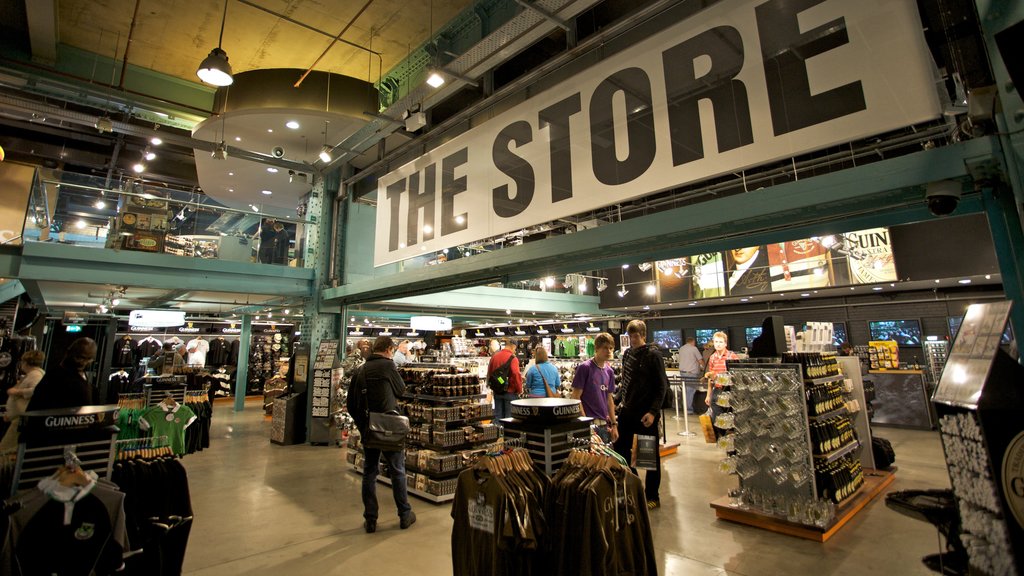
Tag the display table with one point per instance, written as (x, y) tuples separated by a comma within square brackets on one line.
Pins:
[(901, 399)]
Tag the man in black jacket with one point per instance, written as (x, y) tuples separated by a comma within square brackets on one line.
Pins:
[(376, 387), (67, 385), (644, 385)]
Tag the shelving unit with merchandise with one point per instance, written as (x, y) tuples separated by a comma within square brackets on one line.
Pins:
[(979, 403), (450, 428), (935, 353), (794, 446)]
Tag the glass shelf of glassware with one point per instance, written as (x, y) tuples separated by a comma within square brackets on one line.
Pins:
[(796, 458)]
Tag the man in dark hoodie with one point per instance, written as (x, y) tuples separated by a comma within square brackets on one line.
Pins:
[(376, 387), (644, 385)]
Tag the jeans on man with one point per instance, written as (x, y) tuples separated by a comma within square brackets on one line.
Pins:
[(396, 462), (630, 426), (503, 404)]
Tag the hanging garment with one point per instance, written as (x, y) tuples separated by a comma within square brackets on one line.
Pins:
[(166, 419), (220, 352), (125, 351)]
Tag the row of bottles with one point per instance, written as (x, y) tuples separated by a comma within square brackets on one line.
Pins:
[(840, 479), (815, 364), (825, 397), (831, 434)]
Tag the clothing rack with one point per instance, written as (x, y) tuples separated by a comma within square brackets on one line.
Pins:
[(39, 462), (155, 396), (144, 447)]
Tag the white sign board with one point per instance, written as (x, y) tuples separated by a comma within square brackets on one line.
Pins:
[(434, 323), (156, 318), (743, 83)]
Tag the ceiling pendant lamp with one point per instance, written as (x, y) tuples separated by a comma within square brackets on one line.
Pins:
[(215, 69)]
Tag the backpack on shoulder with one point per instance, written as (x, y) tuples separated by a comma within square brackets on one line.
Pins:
[(498, 379)]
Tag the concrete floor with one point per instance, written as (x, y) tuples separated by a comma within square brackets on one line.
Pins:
[(267, 509)]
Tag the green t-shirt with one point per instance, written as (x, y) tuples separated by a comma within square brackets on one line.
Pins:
[(163, 420)]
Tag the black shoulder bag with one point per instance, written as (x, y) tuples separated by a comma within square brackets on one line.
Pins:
[(386, 430)]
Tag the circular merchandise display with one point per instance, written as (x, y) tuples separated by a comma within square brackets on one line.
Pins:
[(546, 409)]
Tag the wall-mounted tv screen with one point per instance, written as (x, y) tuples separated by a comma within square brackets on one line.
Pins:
[(956, 321), (704, 335), (954, 325), (838, 334), (668, 339), (903, 332), (751, 332)]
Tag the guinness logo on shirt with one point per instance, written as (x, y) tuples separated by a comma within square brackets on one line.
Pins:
[(86, 531)]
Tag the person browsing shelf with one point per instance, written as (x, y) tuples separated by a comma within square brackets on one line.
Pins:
[(716, 366), (542, 378)]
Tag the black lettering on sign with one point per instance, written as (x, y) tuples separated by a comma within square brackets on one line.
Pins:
[(515, 167), (785, 52), (450, 187), (556, 119), (684, 89), (395, 190), (635, 85), (421, 201)]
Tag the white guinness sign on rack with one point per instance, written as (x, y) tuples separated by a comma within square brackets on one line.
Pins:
[(739, 84)]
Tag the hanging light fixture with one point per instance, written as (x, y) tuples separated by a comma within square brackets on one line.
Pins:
[(325, 152), (215, 69), (220, 152)]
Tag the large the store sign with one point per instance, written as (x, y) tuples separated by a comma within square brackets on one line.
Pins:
[(740, 84)]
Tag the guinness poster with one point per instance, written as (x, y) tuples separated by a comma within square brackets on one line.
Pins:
[(708, 275), (747, 271), (869, 253)]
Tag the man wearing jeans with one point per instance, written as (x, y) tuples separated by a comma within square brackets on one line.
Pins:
[(376, 387)]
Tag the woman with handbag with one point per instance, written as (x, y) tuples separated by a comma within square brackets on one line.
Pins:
[(542, 378)]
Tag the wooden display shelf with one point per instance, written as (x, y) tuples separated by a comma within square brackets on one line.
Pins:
[(875, 482)]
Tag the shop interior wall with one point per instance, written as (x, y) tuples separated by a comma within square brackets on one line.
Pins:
[(854, 311)]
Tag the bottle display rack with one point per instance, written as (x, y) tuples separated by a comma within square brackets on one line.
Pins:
[(794, 445)]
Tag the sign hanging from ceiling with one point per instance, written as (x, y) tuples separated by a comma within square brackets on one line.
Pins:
[(156, 318), (434, 323), (743, 83)]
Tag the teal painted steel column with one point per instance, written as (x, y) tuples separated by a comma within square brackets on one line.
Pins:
[(242, 373), (1008, 240)]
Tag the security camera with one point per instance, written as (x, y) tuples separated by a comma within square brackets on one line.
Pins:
[(277, 152), (943, 197)]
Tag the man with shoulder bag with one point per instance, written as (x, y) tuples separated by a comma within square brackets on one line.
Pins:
[(643, 390), (373, 404)]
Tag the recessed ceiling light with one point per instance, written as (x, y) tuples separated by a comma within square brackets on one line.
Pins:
[(937, 281), (231, 173), (852, 288), (625, 266), (744, 299), (988, 276), (892, 285), (877, 288), (692, 304), (139, 167), (266, 192), (292, 124), (964, 281), (231, 189), (271, 130), (272, 170), (647, 307), (238, 138), (805, 294), (460, 219), (427, 228), (150, 155), (100, 204), (80, 224), (156, 141)]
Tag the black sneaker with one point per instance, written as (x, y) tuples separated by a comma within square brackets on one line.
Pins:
[(370, 526), (408, 520)]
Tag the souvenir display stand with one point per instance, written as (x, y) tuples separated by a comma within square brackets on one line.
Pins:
[(450, 426), (794, 448), (979, 401)]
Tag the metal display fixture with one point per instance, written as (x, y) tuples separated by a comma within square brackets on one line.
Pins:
[(979, 402)]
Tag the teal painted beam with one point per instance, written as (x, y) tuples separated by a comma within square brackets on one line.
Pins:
[(876, 193), (1008, 240), (11, 289), (35, 294), (10, 261), (65, 263), (242, 372), (490, 298)]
